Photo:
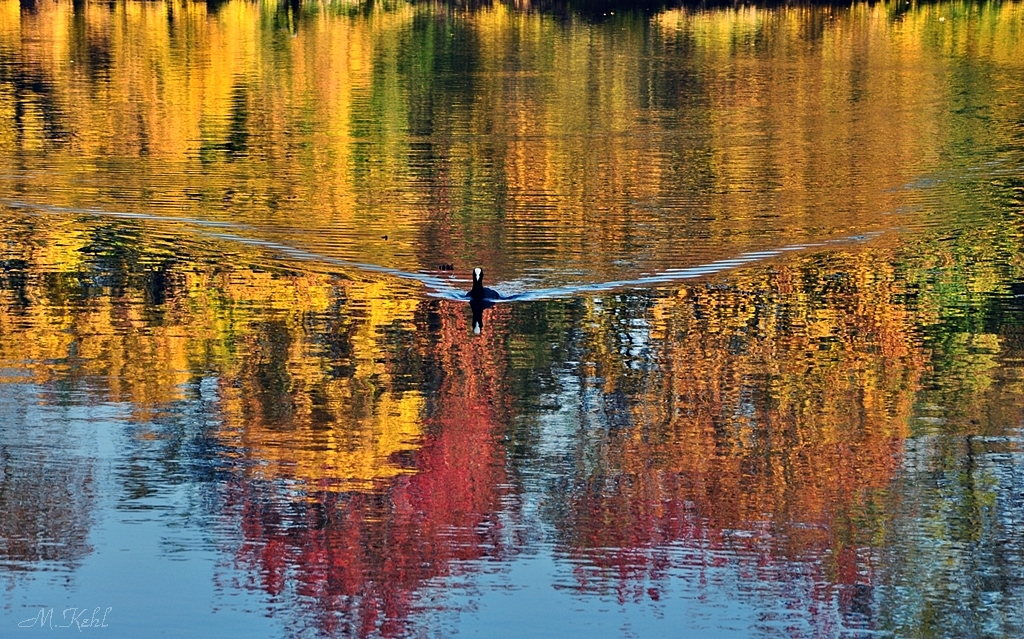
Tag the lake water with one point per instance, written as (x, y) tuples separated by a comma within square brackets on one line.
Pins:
[(761, 372)]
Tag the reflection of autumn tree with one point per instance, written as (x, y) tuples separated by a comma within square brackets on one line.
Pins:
[(324, 404), (360, 489), (776, 406), (354, 561), (106, 308), (496, 133), (953, 563)]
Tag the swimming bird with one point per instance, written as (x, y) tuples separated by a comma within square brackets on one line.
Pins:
[(480, 293), (480, 297)]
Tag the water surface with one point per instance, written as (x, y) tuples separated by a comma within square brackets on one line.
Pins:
[(759, 375)]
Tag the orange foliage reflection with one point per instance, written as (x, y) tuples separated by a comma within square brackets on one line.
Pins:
[(770, 429)]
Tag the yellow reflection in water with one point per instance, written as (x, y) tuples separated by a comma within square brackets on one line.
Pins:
[(496, 136), (246, 327)]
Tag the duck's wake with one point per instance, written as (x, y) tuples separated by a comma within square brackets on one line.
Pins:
[(447, 287), (663, 277)]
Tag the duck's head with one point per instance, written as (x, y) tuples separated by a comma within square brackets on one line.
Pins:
[(478, 277)]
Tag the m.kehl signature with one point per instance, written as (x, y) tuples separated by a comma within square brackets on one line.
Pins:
[(71, 617)]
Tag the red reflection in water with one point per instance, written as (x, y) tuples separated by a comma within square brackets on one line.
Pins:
[(761, 451), (352, 563), (798, 537)]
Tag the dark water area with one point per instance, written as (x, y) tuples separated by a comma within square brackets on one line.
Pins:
[(757, 372)]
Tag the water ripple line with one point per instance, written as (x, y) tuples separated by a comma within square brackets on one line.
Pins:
[(677, 274), (444, 287)]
